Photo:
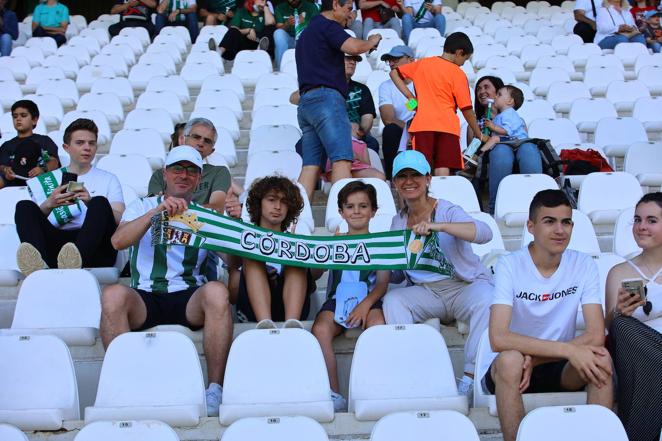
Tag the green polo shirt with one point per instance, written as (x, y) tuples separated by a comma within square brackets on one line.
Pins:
[(284, 11)]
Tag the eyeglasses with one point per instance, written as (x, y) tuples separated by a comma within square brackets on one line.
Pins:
[(198, 138), (177, 169)]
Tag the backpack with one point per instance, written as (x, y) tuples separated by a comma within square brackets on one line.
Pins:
[(583, 162)]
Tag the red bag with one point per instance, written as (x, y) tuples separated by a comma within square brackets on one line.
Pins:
[(572, 158)]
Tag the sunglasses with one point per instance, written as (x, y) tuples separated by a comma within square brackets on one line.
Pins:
[(177, 169)]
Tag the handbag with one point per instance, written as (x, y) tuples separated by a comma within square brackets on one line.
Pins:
[(583, 162)]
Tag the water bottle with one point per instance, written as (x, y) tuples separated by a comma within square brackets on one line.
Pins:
[(488, 115), (421, 11)]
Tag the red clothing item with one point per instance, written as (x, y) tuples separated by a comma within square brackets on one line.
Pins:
[(638, 14), (374, 12)]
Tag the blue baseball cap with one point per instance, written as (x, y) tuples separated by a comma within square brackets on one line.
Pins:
[(651, 14), (413, 160), (397, 52)]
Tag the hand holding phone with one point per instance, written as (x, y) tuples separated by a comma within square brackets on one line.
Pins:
[(634, 287)]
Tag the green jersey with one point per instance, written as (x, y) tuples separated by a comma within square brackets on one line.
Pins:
[(305, 9)]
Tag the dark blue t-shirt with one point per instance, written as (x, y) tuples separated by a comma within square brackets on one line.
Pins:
[(320, 62)]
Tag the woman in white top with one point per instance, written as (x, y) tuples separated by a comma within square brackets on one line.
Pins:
[(635, 324), (615, 25)]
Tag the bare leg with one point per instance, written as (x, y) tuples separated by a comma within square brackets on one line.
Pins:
[(604, 396), (257, 285), (341, 170), (375, 317), (210, 20), (294, 291), (442, 171), (210, 308), (507, 375), (308, 178), (369, 173), (122, 309), (325, 329)]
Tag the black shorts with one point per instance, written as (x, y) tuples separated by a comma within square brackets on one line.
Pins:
[(166, 308), (544, 378), (330, 305)]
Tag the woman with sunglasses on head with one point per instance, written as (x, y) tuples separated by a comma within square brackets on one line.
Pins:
[(634, 321), (462, 287)]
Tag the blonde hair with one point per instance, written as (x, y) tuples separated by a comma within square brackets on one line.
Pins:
[(624, 4)]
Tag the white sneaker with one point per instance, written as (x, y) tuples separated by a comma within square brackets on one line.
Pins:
[(293, 324), (265, 324), (339, 402), (28, 259), (213, 394), (466, 387), (263, 44)]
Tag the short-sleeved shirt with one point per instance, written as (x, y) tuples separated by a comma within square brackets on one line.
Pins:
[(512, 123), (441, 88), (544, 307), (359, 102), (217, 6), (8, 149), (337, 276), (585, 5), (389, 94), (284, 11), (50, 16), (160, 268), (140, 12), (417, 4), (214, 178), (320, 62), (374, 12), (243, 19)]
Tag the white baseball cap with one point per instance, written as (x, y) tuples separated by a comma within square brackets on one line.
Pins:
[(184, 153)]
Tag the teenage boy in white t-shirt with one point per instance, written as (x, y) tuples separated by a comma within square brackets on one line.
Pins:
[(538, 291)]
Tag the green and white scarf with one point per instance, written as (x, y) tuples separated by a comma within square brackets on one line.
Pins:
[(42, 186), (392, 250)]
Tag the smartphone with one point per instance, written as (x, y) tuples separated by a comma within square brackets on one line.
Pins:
[(69, 177), (634, 287), (73, 186)]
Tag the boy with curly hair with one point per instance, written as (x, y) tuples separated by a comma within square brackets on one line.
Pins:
[(269, 292)]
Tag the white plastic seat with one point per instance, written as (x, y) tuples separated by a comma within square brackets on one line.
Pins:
[(225, 152), (560, 61), (89, 74), (651, 76), (457, 190), (145, 142), (11, 92), (285, 428), (114, 60), (532, 110), (506, 75), (9, 197), (64, 89), (221, 98), (561, 95), (160, 58), (11, 433), (624, 93), (72, 315), (146, 430), (273, 138), (172, 83), (80, 53), (489, 252), (517, 43), (68, 64), (531, 27), (34, 55), (217, 32), (598, 78), (19, 66), (157, 119), (648, 111), (526, 90), (141, 73), (283, 163), (428, 43), (275, 115), (417, 365), (275, 373), (99, 118), (179, 32), (174, 41), (222, 82), (212, 58), (643, 160), (484, 52), (38, 382), (624, 244), (131, 41), (531, 53), (119, 86), (89, 43), (385, 211), (628, 52), (647, 60), (164, 49), (271, 97), (604, 262), (542, 77), (101, 35), (562, 43), (623, 189), (547, 33), (133, 170), (7, 126), (615, 135), (276, 80), (150, 375), (250, 65), (39, 74), (50, 108), (124, 51), (162, 100), (195, 73), (559, 131), (586, 112), (107, 103), (515, 194), (571, 423), (220, 117), (583, 236), (45, 44), (424, 426), (9, 274)]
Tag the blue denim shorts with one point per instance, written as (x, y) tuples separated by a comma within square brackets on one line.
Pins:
[(325, 126)]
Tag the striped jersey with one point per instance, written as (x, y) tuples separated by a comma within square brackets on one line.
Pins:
[(161, 268), (337, 276)]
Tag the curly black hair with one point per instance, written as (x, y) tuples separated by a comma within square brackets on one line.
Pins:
[(291, 197)]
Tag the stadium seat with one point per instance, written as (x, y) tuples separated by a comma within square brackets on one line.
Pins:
[(531, 53), (106, 102), (526, 90), (173, 41), (172, 83), (45, 44), (284, 163), (506, 75), (9, 274), (510, 63), (68, 64), (34, 55), (643, 160), (119, 86), (531, 27), (80, 53), (157, 119), (624, 244), (482, 398), (489, 252), (223, 82), (457, 190), (6, 74), (195, 73), (385, 212), (424, 426), (561, 95), (604, 262), (649, 112), (217, 32), (160, 58), (586, 112), (546, 34), (271, 97), (484, 52), (286, 428), (276, 80), (90, 44), (628, 53), (419, 34), (64, 89), (221, 98), (212, 58), (114, 60), (7, 126), (133, 170), (145, 142), (571, 423), (532, 110), (224, 149), (72, 315), (615, 135), (275, 115), (162, 100), (150, 375), (11, 433), (11, 92), (99, 118), (124, 52), (563, 43), (131, 41), (542, 77), (560, 131), (101, 35), (651, 77), (19, 66), (560, 61), (39, 74), (221, 117), (275, 373), (164, 48), (583, 236), (515, 194), (273, 138), (429, 43), (38, 382), (598, 78), (142, 73), (624, 93), (417, 365), (146, 430), (178, 32), (250, 65), (50, 108)]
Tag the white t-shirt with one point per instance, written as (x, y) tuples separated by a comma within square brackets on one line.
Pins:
[(161, 268), (609, 20), (98, 183), (416, 5), (544, 307), (389, 94), (585, 5)]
